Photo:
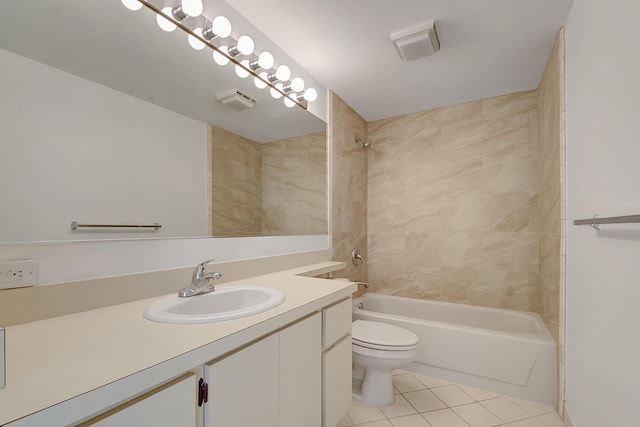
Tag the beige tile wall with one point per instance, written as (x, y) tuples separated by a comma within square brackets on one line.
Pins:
[(294, 185), (347, 187), (278, 188), (236, 184), (452, 203), (552, 201)]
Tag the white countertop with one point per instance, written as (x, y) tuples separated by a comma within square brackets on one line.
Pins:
[(115, 350)]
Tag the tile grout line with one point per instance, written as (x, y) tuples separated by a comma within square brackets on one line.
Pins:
[(530, 415)]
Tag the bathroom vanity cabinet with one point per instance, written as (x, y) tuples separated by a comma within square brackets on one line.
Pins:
[(279, 378), (296, 374), (168, 406), (273, 382), (336, 362)]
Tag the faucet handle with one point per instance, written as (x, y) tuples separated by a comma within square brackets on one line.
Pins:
[(198, 271)]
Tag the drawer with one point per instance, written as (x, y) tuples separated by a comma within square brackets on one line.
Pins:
[(336, 322)]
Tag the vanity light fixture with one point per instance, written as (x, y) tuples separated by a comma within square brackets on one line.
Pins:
[(265, 61), (163, 22), (194, 41), (220, 27), (260, 80), (132, 4), (244, 46), (242, 69), (220, 56), (296, 85), (187, 8), (277, 90), (238, 51)]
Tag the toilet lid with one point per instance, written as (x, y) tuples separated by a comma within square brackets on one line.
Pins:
[(382, 334)]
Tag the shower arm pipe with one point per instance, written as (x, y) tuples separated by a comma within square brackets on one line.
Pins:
[(596, 220)]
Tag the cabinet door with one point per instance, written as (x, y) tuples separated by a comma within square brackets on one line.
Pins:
[(301, 374), (171, 405), (336, 399), (243, 387)]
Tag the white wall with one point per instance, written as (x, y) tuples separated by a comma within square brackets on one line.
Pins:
[(603, 176), (73, 150)]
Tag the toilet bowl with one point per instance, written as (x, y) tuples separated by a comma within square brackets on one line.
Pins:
[(379, 348)]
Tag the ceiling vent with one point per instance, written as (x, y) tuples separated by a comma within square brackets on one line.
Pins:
[(236, 99), (416, 42)]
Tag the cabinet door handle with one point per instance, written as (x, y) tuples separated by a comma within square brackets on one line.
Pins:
[(203, 392)]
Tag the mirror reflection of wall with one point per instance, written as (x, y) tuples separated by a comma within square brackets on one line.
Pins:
[(104, 124), (275, 188), (74, 150)]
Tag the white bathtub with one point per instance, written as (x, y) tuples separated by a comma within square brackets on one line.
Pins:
[(505, 351)]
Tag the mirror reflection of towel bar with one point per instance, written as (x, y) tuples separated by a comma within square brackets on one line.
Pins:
[(75, 225)]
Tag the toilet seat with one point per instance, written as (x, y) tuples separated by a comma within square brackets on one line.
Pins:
[(382, 336)]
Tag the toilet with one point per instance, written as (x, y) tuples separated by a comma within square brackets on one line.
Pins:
[(379, 348)]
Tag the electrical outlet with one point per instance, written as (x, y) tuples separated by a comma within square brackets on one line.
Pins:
[(17, 273)]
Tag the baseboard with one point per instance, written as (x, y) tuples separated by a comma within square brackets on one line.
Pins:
[(567, 419)]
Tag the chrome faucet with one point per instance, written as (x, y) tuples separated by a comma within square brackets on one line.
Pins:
[(201, 283)]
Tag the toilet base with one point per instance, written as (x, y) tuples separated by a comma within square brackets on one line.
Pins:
[(374, 389)]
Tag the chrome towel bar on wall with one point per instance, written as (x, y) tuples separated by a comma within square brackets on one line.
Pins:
[(596, 220), (75, 225)]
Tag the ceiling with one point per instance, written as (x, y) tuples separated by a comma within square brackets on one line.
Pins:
[(488, 47)]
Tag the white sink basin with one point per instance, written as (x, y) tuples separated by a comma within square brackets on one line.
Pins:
[(224, 303)]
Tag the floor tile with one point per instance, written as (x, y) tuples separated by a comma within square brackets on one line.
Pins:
[(430, 382), (505, 409), (529, 422), (381, 423), (477, 415), (407, 382), (399, 408), (424, 400), (477, 393), (534, 408), (409, 421), (361, 413), (344, 422), (444, 418), (451, 395), (552, 419)]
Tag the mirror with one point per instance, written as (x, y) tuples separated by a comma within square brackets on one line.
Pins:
[(106, 119)]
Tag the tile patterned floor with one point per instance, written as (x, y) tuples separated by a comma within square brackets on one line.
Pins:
[(422, 401)]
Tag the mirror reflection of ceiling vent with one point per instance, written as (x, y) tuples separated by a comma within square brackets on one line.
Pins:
[(236, 99), (416, 42)]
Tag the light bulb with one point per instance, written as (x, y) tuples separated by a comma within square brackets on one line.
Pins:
[(221, 26), (241, 72), (132, 4), (220, 58), (274, 93), (194, 42), (265, 60), (163, 22), (283, 73), (297, 84), (260, 84), (192, 7), (310, 94), (245, 45), (288, 101)]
